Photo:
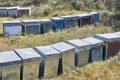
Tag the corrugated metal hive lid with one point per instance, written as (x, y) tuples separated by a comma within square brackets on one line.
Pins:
[(45, 21), (118, 33), (9, 56), (3, 8), (8, 22), (62, 46), (56, 18), (79, 43), (27, 21), (69, 16), (27, 53), (108, 37), (47, 50), (84, 15), (14, 7), (93, 41), (30, 22)]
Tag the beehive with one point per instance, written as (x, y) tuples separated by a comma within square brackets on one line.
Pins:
[(24, 11), (95, 17), (13, 11), (50, 61), (81, 52), (12, 28), (30, 63), (57, 23), (112, 43), (31, 26), (96, 52), (84, 19), (46, 25), (3, 11), (69, 21), (10, 65), (67, 56)]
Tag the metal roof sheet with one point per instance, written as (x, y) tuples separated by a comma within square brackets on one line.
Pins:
[(47, 50), (27, 53), (9, 57), (62, 46), (78, 43), (108, 37), (93, 41)]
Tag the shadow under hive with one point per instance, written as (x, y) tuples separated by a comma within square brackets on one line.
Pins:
[(67, 56), (46, 25), (112, 43), (31, 26), (69, 21), (31, 63), (12, 28), (50, 61), (84, 19), (81, 52), (10, 65), (57, 23), (96, 51)]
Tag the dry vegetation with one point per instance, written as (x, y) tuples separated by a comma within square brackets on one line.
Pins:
[(106, 70), (110, 22)]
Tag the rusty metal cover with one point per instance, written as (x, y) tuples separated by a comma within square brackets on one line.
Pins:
[(113, 49)]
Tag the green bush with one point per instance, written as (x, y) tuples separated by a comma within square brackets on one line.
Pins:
[(105, 18), (78, 5), (99, 6)]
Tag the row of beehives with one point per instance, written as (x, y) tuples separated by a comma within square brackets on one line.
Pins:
[(14, 11), (11, 28), (52, 60)]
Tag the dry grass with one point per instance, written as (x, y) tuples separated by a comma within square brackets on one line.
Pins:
[(107, 70)]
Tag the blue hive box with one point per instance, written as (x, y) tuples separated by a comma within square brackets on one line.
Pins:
[(12, 28), (96, 52), (46, 25), (84, 19), (69, 21), (57, 23), (31, 26), (3, 11), (95, 17)]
